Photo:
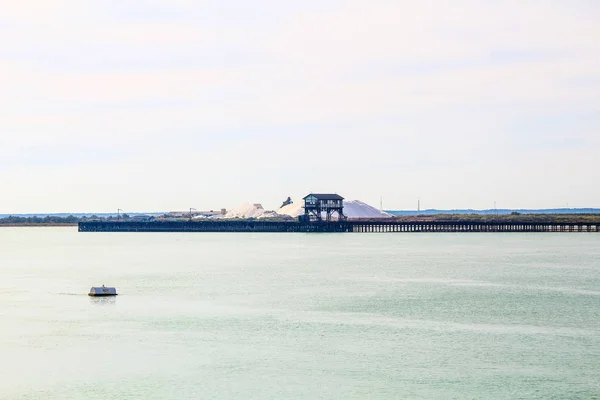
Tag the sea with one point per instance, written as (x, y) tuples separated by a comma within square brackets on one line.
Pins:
[(299, 316)]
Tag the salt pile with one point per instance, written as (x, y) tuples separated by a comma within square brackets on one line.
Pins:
[(293, 210), (250, 210), (358, 209), (352, 209)]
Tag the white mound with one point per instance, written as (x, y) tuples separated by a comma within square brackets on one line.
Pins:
[(358, 209), (352, 209), (250, 210), (293, 210)]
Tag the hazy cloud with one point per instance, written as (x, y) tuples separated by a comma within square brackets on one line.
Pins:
[(156, 105)]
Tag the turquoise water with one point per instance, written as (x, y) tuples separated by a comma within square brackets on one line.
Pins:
[(299, 316)]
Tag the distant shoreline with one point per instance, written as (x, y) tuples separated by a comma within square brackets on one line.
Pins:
[(40, 225), (512, 218)]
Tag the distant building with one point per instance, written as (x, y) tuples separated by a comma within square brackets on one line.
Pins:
[(318, 204), (195, 213)]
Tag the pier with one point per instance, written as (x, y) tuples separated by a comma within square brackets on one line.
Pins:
[(488, 226), (211, 226), (357, 226)]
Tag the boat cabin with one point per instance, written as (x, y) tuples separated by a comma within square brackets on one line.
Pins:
[(103, 291)]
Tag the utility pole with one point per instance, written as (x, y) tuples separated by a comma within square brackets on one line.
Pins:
[(119, 214), (191, 212), (419, 205)]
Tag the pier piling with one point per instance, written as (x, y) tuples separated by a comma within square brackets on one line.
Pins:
[(357, 226)]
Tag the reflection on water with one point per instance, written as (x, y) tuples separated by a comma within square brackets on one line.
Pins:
[(102, 300)]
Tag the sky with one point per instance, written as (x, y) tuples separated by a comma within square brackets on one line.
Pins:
[(164, 105)]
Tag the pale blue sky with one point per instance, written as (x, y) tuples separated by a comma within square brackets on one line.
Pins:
[(160, 105)]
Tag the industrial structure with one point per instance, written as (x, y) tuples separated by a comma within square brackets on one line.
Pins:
[(317, 204), (324, 212), (192, 213), (287, 202)]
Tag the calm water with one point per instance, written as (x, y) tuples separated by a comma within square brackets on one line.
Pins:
[(286, 316)]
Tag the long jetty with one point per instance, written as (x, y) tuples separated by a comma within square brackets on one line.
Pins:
[(362, 226)]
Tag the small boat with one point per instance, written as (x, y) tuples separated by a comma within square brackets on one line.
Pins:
[(102, 291)]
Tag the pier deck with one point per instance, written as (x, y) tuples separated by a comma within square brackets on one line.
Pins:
[(362, 226)]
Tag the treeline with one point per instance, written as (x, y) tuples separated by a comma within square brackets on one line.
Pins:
[(56, 220), (47, 220)]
